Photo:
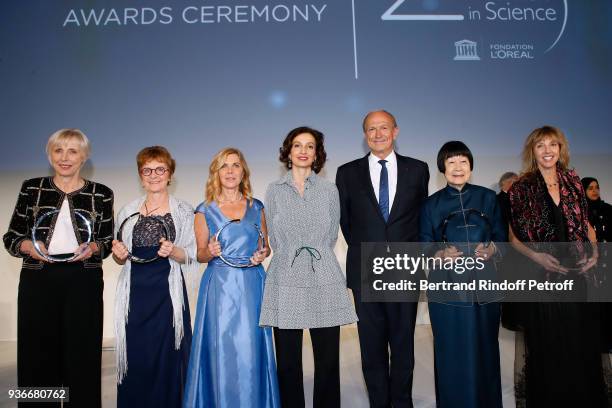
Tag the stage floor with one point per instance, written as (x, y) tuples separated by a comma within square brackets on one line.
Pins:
[(353, 387)]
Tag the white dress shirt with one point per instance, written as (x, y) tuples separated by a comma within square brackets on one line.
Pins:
[(375, 169)]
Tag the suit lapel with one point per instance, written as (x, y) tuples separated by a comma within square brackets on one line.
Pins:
[(366, 180)]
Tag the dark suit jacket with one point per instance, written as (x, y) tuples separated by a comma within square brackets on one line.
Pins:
[(360, 216), (504, 203)]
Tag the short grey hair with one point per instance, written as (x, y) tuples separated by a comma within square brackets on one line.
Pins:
[(507, 175)]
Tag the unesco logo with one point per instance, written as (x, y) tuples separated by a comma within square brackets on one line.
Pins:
[(507, 30), (466, 50)]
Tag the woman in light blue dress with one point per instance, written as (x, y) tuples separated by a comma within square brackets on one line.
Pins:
[(232, 358)]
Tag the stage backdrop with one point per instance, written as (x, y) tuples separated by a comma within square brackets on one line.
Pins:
[(196, 76)]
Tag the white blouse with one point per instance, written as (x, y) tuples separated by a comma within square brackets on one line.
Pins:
[(63, 240)]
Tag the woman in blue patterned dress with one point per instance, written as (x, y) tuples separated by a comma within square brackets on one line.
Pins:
[(232, 358)]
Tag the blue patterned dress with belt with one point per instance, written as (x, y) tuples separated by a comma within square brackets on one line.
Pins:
[(232, 358)]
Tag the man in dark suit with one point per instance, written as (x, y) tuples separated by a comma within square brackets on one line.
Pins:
[(380, 198)]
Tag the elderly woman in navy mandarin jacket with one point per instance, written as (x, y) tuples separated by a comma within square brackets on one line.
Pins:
[(465, 333)]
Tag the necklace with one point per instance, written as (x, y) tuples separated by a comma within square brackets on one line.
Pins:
[(552, 184), (147, 212)]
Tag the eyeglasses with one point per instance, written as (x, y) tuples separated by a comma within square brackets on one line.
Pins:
[(147, 171)]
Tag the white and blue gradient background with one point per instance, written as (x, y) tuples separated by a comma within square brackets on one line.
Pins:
[(196, 88)]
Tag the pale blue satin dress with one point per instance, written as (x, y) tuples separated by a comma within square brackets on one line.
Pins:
[(232, 358)]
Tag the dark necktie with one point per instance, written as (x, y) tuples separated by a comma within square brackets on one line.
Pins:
[(383, 191)]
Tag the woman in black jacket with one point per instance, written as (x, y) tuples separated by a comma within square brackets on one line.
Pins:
[(59, 319)]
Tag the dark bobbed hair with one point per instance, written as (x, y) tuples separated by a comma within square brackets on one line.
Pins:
[(320, 155), (452, 149)]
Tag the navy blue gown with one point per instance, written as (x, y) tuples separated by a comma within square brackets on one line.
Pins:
[(466, 349), (156, 370)]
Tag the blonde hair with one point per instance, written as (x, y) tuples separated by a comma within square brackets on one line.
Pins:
[(63, 136), (537, 135), (213, 184)]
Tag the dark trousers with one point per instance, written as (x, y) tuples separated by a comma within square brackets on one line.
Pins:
[(59, 331), (326, 350), (383, 327)]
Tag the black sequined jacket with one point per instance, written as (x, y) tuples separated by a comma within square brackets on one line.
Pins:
[(39, 196)]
